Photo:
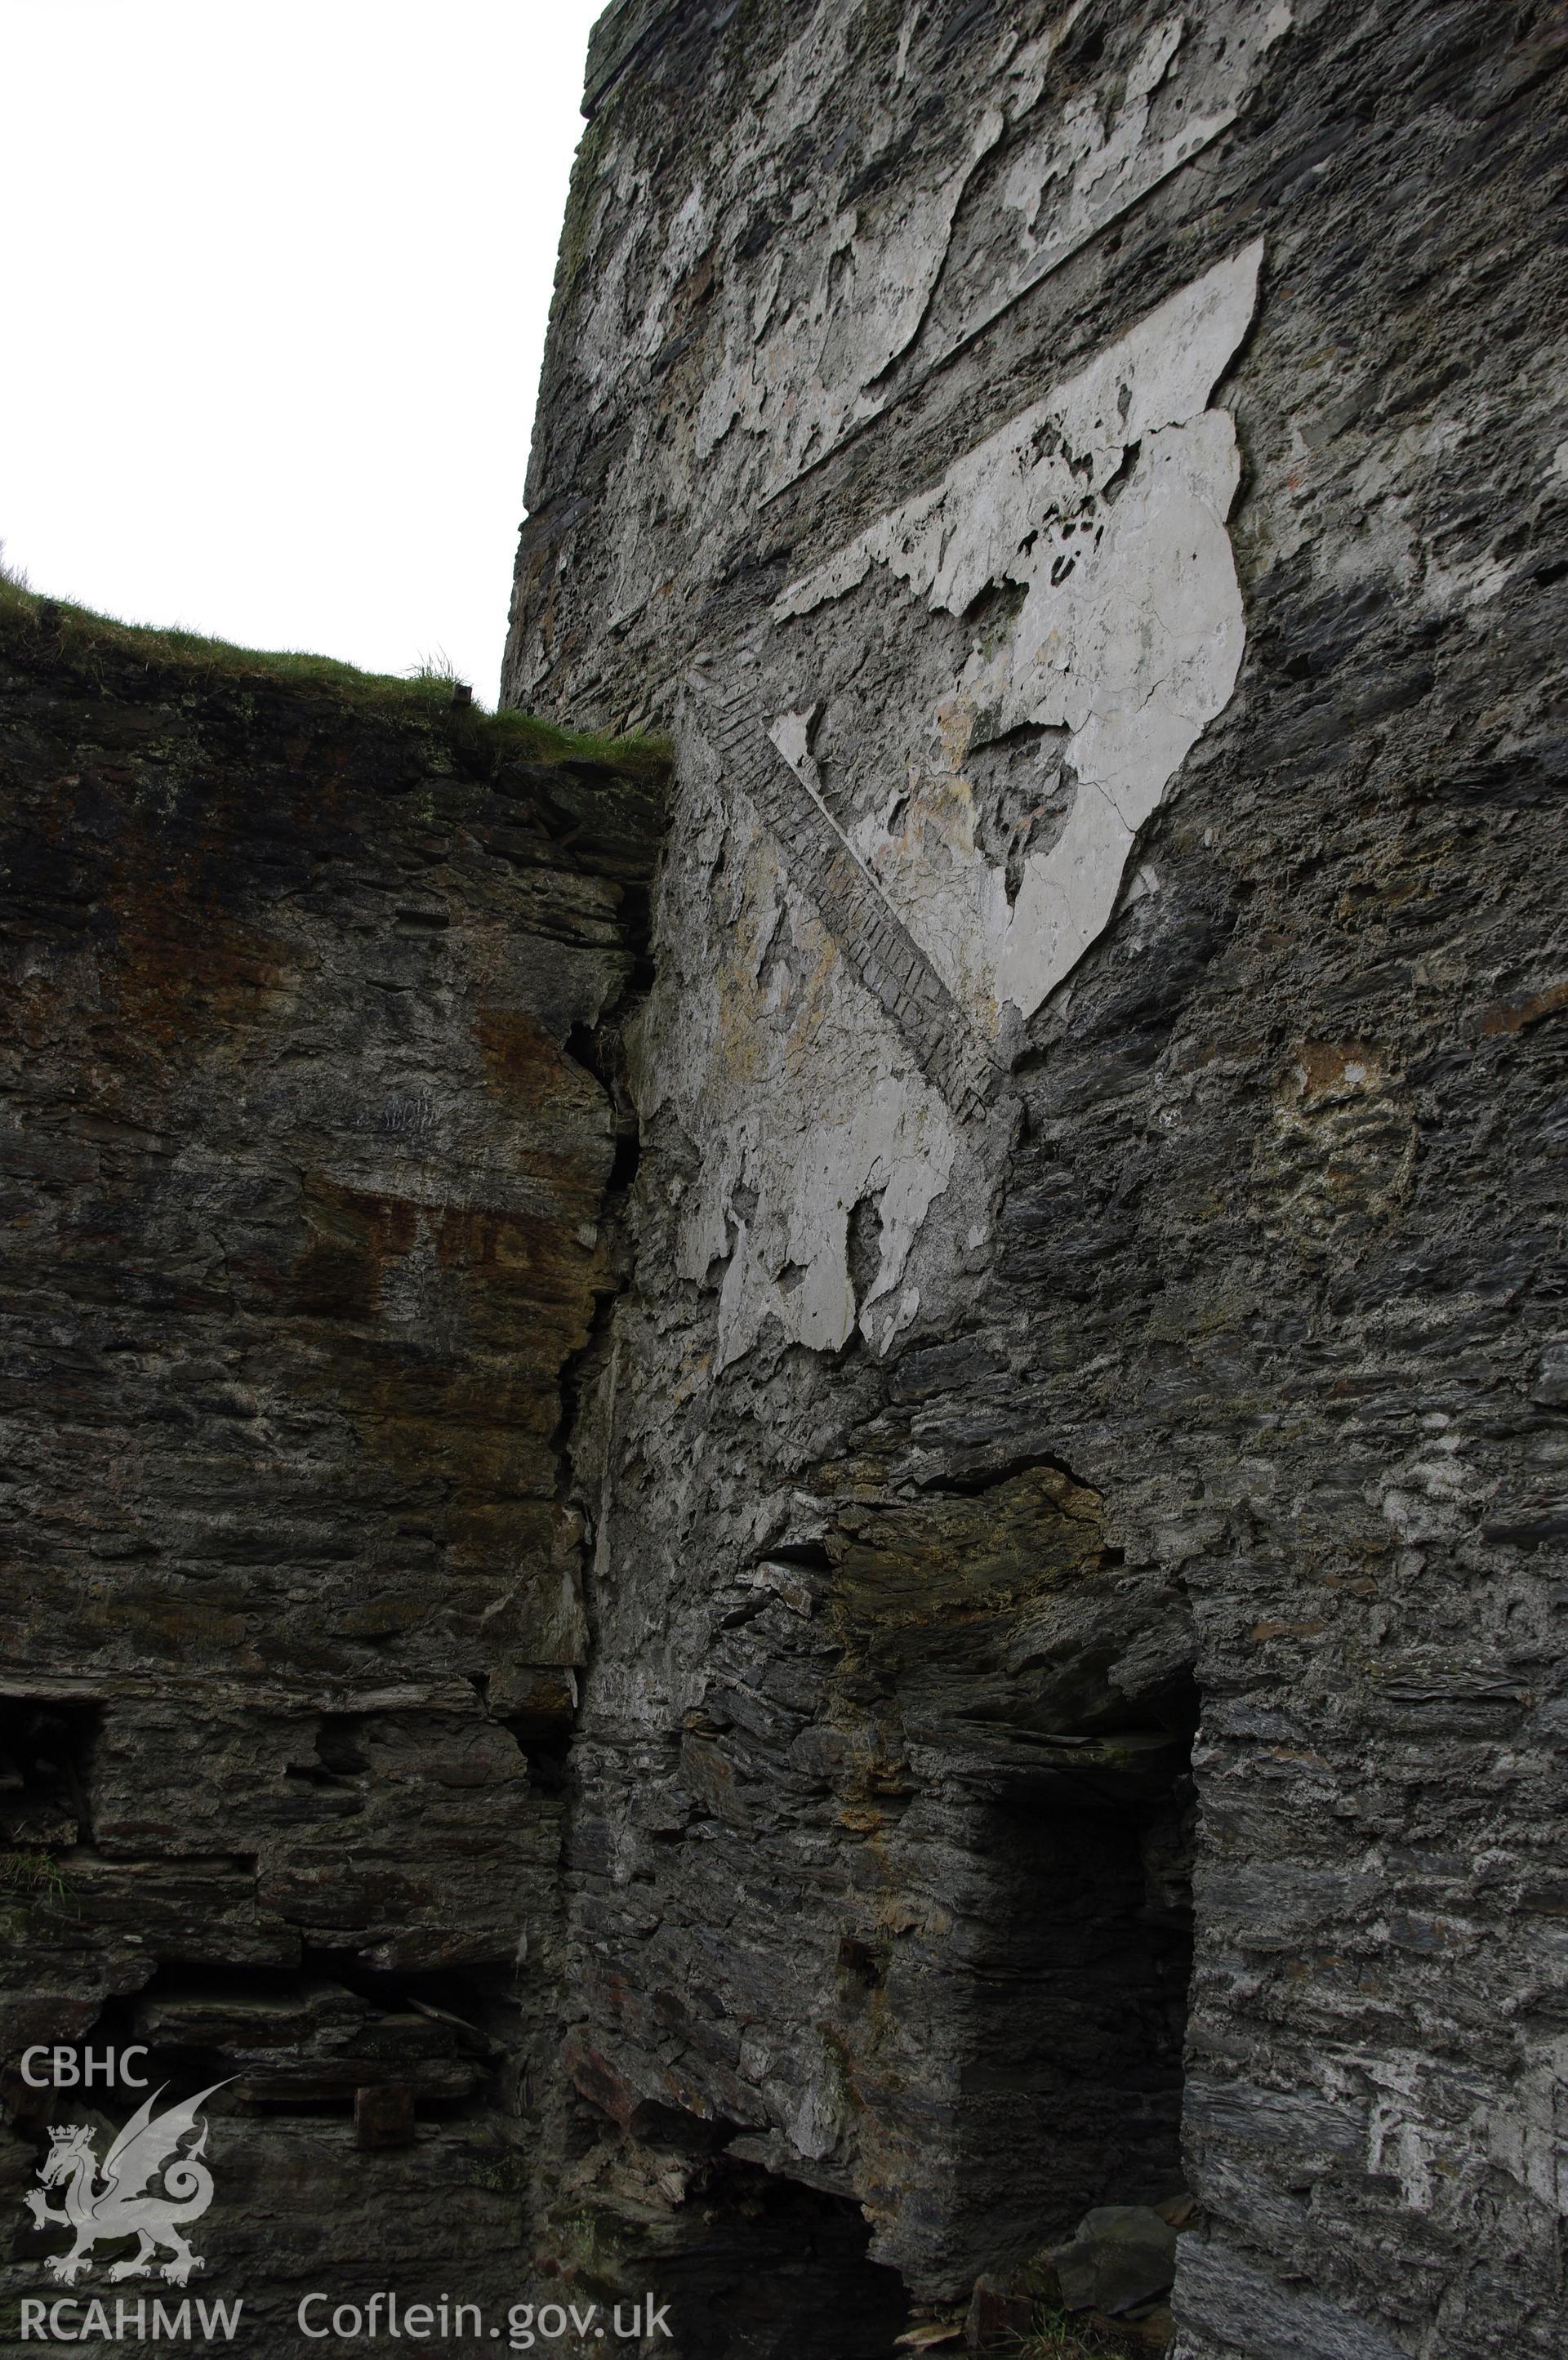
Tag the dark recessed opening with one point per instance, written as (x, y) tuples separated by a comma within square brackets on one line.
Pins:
[(46, 1748), (776, 2271), (1073, 2000)]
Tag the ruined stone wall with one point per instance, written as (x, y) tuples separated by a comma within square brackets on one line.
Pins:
[(1076, 1490), (309, 1129)]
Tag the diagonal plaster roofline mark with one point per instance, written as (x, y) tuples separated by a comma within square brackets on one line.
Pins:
[(809, 784), (953, 1056), (972, 334), (809, 788)]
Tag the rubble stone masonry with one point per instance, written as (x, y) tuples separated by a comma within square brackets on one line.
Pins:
[(762, 1530), (1076, 1705), (306, 1153)]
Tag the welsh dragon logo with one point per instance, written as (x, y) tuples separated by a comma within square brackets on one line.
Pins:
[(120, 2207)]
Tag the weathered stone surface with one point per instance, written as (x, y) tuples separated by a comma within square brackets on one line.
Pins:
[(990, 1643), (1229, 2305), (1039, 1524), (1122, 2256), (307, 1167)]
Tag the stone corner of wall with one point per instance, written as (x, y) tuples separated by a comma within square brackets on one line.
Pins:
[(627, 32)]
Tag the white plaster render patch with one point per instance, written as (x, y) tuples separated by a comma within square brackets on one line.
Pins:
[(805, 1103), (1090, 154), (812, 333), (890, 1138), (808, 338), (1106, 502), (1071, 176)]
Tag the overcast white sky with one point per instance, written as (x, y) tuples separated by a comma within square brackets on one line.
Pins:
[(274, 293)]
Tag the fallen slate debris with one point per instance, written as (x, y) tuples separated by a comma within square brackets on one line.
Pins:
[(1123, 2256)]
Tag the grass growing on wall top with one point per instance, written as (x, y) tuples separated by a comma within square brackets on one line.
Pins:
[(80, 634)]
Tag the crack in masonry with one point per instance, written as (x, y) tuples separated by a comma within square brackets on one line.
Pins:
[(852, 905)]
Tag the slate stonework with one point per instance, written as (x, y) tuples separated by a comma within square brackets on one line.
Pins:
[(307, 1161), (1122, 453), (761, 1576)]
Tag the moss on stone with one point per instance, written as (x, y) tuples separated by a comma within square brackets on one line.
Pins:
[(81, 637)]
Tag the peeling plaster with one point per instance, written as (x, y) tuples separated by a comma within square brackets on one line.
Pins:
[(806, 1104), (1226, 1124), (1105, 503), (1067, 178), (892, 1142), (820, 306)]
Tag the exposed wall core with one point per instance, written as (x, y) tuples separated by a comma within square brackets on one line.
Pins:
[(1084, 483), (305, 1234)]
